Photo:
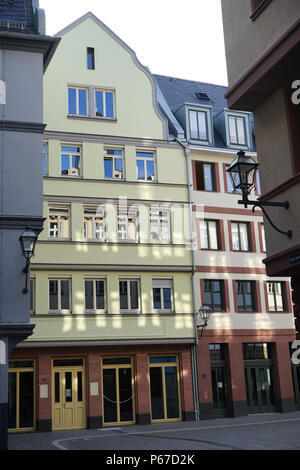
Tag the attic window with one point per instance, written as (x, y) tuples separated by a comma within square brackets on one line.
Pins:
[(202, 96)]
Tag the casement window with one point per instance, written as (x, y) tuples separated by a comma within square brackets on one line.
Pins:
[(205, 176), (45, 159), (32, 295), (94, 295), (145, 166), (113, 164), (91, 102), (257, 183), (129, 295), (58, 222), (70, 160), (214, 295), (91, 58), (275, 296), (245, 296), (162, 290), (78, 101), (263, 237), (59, 295), (198, 121), (237, 130), (94, 224), (104, 103), (209, 238), (127, 225), (240, 236), (160, 225)]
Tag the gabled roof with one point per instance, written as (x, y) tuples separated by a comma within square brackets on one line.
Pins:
[(17, 16)]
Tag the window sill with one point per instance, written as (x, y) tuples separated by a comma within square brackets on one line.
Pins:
[(54, 239), (91, 118)]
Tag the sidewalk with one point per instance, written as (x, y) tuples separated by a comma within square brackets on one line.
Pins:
[(274, 431)]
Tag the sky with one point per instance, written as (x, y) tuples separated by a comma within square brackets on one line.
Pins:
[(179, 38)]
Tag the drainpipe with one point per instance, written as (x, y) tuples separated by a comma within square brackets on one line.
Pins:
[(194, 347)]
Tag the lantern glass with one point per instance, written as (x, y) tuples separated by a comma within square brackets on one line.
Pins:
[(242, 172), (28, 240)]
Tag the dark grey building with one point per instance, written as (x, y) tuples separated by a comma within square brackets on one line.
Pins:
[(25, 52)]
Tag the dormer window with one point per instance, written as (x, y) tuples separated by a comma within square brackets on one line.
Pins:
[(237, 130), (199, 124)]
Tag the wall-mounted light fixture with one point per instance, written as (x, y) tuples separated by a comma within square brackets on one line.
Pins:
[(203, 317), (28, 240), (242, 174)]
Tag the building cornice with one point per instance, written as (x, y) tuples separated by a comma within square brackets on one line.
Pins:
[(109, 267)]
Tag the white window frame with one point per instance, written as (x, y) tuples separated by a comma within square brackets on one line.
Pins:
[(59, 309), (159, 216), (208, 119), (95, 309), (239, 236), (71, 174), (206, 225), (94, 214), (77, 89), (111, 157), (145, 159), (128, 280), (263, 237), (104, 91), (275, 296), (161, 283), (58, 212), (127, 216), (247, 129)]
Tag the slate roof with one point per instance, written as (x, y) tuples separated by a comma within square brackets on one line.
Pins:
[(178, 91), (17, 16)]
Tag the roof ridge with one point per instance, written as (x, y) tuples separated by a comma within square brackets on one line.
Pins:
[(189, 80)]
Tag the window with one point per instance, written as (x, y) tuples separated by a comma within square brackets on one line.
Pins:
[(58, 222), (127, 225), (214, 295), (104, 101), (113, 164), (94, 225), (245, 296), (217, 352), (32, 295), (160, 225), (198, 125), (70, 161), (275, 296), (45, 159), (145, 166), (78, 101), (205, 176), (257, 351), (237, 130), (239, 231), (263, 237), (129, 295), (59, 295), (162, 294), (91, 58), (90, 101), (94, 295), (230, 188), (209, 235)]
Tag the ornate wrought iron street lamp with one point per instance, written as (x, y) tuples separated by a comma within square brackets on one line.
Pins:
[(28, 240), (203, 317), (242, 172)]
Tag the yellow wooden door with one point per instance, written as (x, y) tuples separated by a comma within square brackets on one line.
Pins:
[(69, 404)]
